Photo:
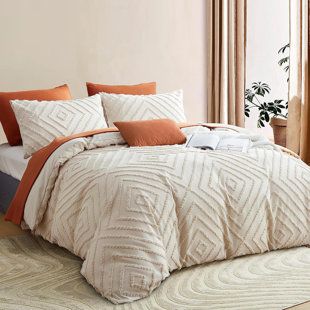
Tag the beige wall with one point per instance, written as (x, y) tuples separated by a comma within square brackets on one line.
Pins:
[(44, 43)]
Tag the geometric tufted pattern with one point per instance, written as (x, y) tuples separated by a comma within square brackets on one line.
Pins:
[(136, 214), (130, 107), (41, 122)]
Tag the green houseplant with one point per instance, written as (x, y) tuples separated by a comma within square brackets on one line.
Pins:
[(273, 112)]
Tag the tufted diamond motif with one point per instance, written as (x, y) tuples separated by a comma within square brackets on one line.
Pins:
[(130, 107), (41, 122), (136, 214)]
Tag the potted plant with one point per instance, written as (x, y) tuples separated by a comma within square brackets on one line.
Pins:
[(272, 112)]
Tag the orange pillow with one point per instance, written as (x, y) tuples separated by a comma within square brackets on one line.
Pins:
[(7, 116), (139, 89), (151, 132)]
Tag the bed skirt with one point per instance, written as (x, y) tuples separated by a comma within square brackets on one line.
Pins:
[(8, 187)]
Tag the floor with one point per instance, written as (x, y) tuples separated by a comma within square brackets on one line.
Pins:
[(9, 229), (304, 306)]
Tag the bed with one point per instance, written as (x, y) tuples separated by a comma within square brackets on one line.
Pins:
[(134, 214)]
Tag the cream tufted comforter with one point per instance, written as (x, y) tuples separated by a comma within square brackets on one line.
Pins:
[(136, 214)]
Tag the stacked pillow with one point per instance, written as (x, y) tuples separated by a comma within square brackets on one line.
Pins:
[(132, 108), (139, 89), (40, 122), (36, 118), (7, 117)]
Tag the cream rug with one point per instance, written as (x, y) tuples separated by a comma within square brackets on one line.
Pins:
[(37, 275)]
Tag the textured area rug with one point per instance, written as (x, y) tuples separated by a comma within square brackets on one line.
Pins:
[(35, 274)]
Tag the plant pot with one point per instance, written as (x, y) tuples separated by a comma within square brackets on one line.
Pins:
[(279, 130)]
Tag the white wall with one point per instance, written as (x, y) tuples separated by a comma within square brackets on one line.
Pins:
[(267, 31), (45, 43)]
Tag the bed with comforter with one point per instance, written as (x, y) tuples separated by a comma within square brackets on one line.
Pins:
[(135, 214)]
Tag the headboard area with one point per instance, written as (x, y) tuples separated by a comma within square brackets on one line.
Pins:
[(52, 43)]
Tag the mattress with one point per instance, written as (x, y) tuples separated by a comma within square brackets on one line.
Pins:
[(12, 160)]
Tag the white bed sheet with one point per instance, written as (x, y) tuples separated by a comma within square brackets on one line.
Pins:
[(12, 160)]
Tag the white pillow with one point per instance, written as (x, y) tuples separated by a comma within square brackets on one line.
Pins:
[(145, 107), (40, 122)]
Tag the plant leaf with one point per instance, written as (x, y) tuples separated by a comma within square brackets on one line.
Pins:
[(260, 88), (249, 95), (283, 48), (283, 60)]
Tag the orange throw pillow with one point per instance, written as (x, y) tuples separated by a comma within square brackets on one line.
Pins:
[(7, 116), (139, 89), (151, 132)]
